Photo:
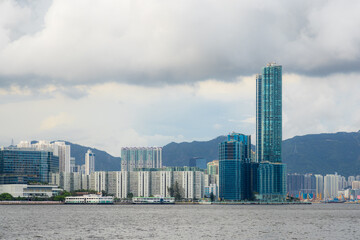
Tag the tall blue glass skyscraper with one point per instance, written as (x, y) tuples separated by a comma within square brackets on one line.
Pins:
[(234, 154), (271, 171), (269, 114)]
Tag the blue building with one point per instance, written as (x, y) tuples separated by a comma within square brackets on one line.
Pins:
[(271, 171), (23, 165), (198, 162), (235, 168)]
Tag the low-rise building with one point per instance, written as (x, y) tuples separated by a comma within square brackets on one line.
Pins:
[(29, 191)]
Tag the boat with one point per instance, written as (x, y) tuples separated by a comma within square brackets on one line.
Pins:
[(153, 200), (89, 199)]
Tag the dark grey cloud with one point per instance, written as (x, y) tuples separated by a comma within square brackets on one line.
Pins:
[(157, 43)]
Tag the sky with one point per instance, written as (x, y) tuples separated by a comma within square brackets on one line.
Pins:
[(110, 74)]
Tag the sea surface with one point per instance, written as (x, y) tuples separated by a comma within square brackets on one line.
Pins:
[(316, 221)]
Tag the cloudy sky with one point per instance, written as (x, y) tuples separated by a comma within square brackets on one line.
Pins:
[(109, 74)]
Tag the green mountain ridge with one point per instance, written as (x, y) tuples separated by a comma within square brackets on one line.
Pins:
[(314, 153)]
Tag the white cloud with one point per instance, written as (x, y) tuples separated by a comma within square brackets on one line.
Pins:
[(56, 121)]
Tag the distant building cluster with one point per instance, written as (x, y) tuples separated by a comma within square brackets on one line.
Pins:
[(319, 187), (141, 182), (140, 157), (35, 162)]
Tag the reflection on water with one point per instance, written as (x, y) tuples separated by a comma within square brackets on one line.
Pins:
[(317, 221)]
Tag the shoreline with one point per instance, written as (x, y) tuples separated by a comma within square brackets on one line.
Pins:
[(176, 203)]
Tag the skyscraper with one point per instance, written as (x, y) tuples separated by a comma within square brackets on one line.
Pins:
[(234, 156), (89, 162), (271, 172), (269, 114)]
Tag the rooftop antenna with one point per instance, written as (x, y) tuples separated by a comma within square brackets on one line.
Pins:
[(12, 142)]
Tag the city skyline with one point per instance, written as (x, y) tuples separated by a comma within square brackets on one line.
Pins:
[(142, 81)]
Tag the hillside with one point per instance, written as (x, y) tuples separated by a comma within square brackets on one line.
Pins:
[(103, 160), (323, 153), (178, 154), (315, 153)]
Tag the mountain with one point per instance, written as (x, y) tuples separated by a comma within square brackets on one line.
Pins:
[(103, 160), (315, 153), (323, 153), (179, 154)]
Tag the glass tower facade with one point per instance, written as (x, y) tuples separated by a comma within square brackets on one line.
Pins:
[(23, 165), (234, 156), (271, 172), (269, 113)]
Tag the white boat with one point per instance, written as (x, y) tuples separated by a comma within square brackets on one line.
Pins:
[(153, 200), (90, 199)]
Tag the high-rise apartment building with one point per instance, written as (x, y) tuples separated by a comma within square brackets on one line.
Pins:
[(272, 173), (319, 179), (213, 167), (63, 151), (140, 157), (89, 162), (331, 186), (59, 149)]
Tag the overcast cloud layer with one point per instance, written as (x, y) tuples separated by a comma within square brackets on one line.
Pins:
[(120, 73)]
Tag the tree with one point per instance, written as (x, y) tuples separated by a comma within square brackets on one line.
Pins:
[(6, 197), (176, 191), (62, 196), (130, 195), (212, 197)]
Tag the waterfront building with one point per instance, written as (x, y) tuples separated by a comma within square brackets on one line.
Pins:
[(23, 165), (189, 179), (234, 158), (212, 188), (98, 181), (70, 181), (30, 191), (271, 181), (309, 184), (213, 167), (89, 162), (134, 157), (295, 183), (269, 133), (66, 181), (319, 179), (355, 185), (141, 182), (331, 186)]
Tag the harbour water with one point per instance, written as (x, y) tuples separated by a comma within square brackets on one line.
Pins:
[(316, 221)]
